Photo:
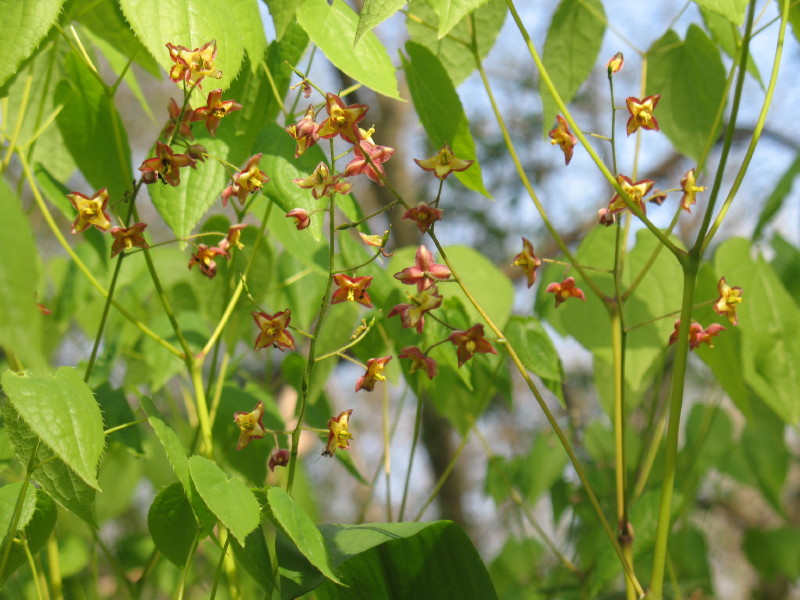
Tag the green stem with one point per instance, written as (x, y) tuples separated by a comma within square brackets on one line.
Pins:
[(8, 541), (449, 469), (12, 144), (54, 568), (196, 370), (414, 442), (186, 568)]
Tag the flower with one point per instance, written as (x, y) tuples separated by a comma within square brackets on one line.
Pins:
[(377, 241), (528, 261), (191, 66), (301, 217), (374, 373), (183, 125), (642, 113), (424, 215), (342, 120), (320, 182), (232, 239), (91, 211), (615, 64), (359, 164), (562, 136), (419, 361), (412, 314), (690, 190), (352, 289), (204, 258), (728, 301), (636, 191), (469, 342), (214, 110), (304, 132), (424, 272), (250, 425), (127, 238), (443, 163), (338, 435), (697, 335), (247, 181), (273, 330), (197, 152), (165, 166), (278, 458), (605, 217), (564, 290)]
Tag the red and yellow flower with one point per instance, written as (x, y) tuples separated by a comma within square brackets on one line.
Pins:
[(91, 211), (274, 330), (342, 120), (443, 163), (728, 301), (424, 272), (191, 66), (247, 181), (352, 289), (214, 110), (424, 215), (470, 342), (251, 426), (565, 290), (419, 361), (562, 136), (127, 238), (528, 261), (338, 434), (642, 113), (165, 166), (374, 374)]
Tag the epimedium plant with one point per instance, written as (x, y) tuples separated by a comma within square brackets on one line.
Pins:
[(293, 285)]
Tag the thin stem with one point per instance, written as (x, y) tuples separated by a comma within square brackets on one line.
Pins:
[(187, 567), (196, 371), (412, 452), (54, 568), (387, 455), (8, 541), (12, 144), (449, 469)]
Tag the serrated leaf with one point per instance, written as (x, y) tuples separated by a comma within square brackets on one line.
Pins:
[(282, 12), (690, 77), (172, 525), (248, 19), (183, 206), (20, 320), (254, 557), (22, 28), (733, 10), (332, 28), (176, 452), (92, 129), (570, 51), (229, 499), (450, 12), (440, 111), (189, 23), (724, 33), (293, 521), (9, 494), (62, 412), (37, 532), (373, 13)]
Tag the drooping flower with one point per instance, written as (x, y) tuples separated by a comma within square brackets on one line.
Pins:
[(528, 261), (375, 367), (127, 238), (443, 163), (424, 272), (174, 116), (165, 166), (278, 458), (304, 132), (690, 190), (470, 342), (728, 301), (232, 240), (247, 181), (424, 215), (606, 217), (562, 136), (250, 425), (191, 66), (352, 289), (301, 217), (412, 314), (342, 120), (697, 335), (274, 330), (636, 191), (214, 110), (204, 258), (197, 152), (321, 182), (615, 64), (359, 164), (642, 113), (564, 290), (91, 211), (338, 435), (419, 361)]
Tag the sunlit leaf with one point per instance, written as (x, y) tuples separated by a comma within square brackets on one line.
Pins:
[(22, 28)]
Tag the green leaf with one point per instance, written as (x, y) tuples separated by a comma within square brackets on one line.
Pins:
[(534, 347), (440, 111), (189, 23), (774, 552), (450, 50), (62, 412), (282, 12), (570, 51), (92, 129), (38, 530), (20, 320), (295, 523), (183, 206), (776, 198), (116, 411), (176, 452), (172, 525), (9, 494), (251, 30), (724, 33), (733, 10), (769, 322), (690, 77), (254, 557), (765, 450), (22, 28), (450, 12), (53, 475), (373, 13), (794, 18), (229, 499), (332, 28)]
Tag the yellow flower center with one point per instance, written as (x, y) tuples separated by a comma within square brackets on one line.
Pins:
[(470, 346)]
